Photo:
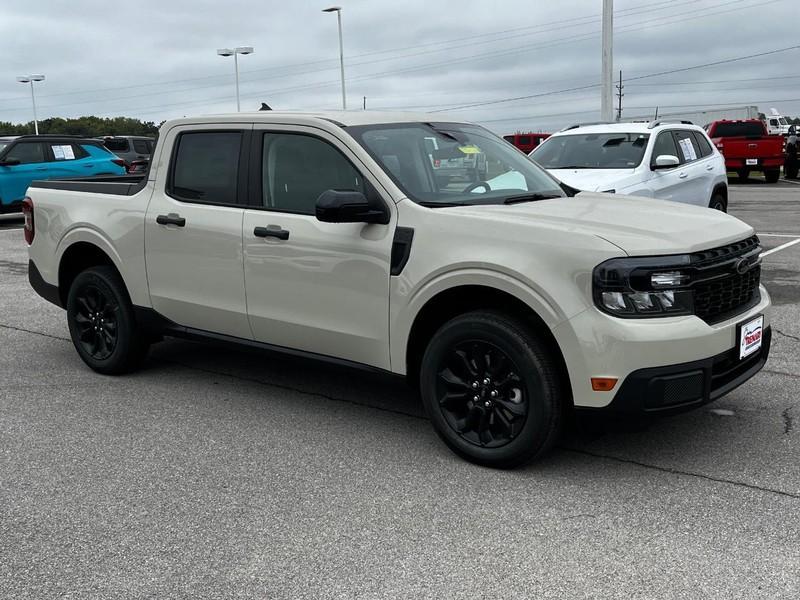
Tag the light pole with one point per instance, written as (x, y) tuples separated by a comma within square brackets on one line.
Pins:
[(607, 77), (338, 11), (30, 79), (235, 52)]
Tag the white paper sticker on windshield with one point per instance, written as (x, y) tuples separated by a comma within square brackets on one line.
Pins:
[(688, 149)]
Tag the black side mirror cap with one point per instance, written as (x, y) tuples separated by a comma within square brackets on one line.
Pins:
[(347, 206), (10, 162)]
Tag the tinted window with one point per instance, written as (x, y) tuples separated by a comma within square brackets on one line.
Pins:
[(744, 128), (665, 145), (141, 146), (298, 168), (702, 142), (27, 152), (206, 167), (687, 145), (524, 140), (117, 144), (592, 151)]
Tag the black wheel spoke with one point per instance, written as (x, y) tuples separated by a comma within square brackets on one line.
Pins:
[(95, 319), (480, 394)]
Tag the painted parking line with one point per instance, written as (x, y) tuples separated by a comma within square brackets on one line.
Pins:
[(786, 235), (781, 247)]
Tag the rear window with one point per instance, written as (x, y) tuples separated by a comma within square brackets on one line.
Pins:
[(738, 129), (117, 144), (592, 151), (206, 167), (142, 146)]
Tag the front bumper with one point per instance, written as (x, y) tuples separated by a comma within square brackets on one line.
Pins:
[(678, 388)]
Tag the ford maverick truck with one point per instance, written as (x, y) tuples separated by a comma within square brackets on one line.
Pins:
[(507, 302)]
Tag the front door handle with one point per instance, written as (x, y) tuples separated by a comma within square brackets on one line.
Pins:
[(683, 175), (710, 168), (171, 219), (263, 232)]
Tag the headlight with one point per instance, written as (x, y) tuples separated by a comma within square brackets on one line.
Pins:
[(644, 287)]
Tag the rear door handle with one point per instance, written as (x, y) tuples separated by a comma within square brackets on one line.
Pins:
[(263, 232), (171, 219), (683, 175), (710, 168)]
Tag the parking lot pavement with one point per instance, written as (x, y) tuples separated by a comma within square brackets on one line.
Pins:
[(225, 474)]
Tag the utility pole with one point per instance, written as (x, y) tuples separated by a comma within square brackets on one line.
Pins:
[(620, 87), (607, 77), (365, 103)]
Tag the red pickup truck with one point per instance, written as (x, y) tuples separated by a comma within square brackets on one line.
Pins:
[(747, 146)]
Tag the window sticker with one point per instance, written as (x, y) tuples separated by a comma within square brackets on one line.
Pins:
[(688, 149), (63, 152)]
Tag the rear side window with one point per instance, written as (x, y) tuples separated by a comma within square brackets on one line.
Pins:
[(27, 153), (665, 145), (61, 151), (298, 168), (205, 167), (689, 150), (117, 144), (142, 146), (703, 144)]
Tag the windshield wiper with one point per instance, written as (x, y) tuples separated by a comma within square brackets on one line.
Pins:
[(530, 198), (440, 204)]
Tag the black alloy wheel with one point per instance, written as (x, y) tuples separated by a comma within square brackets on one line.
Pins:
[(480, 394), (96, 318)]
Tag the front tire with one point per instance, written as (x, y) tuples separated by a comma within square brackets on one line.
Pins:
[(102, 324), (492, 390)]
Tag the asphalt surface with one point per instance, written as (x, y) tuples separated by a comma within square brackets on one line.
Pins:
[(217, 473)]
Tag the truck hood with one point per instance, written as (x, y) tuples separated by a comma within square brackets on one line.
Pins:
[(638, 226), (594, 180)]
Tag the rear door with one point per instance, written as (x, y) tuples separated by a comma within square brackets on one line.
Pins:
[(692, 172), (193, 230), (15, 179), (314, 286), (67, 159)]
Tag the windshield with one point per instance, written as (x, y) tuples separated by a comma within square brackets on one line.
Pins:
[(446, 164), (592, 151)]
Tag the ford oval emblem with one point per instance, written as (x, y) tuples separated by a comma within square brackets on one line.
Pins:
[(742, 266)]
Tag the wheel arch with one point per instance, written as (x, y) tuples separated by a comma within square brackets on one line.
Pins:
[(459, 299), (77, 257)]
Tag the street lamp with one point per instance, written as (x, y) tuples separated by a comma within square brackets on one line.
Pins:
[(235, 52), (338, 11), (30, 79)]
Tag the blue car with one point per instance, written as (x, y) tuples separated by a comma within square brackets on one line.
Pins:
[(29, 157)]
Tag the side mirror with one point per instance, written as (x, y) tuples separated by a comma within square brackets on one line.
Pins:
[(9, 162), (666, 161), (336, 206)]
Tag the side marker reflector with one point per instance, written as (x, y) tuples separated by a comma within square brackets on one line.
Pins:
[(603, 384)]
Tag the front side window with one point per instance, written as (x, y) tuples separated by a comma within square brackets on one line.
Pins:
[(592, 151), (689, 150), (665, 146), (297, 168), (27, 152), (206, 167), (445, 164)]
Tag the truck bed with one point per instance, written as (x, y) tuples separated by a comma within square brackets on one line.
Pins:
[(118, 185)]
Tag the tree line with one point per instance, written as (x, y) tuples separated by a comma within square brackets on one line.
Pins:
[(85, 126)]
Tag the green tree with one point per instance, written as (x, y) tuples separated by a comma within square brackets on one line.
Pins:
[(89, 126)]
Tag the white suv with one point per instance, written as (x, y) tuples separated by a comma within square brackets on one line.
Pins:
[(669, 161)]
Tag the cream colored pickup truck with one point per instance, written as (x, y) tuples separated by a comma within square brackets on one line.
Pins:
[(507, 301)]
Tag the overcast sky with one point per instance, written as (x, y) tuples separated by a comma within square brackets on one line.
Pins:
[(157, 59)]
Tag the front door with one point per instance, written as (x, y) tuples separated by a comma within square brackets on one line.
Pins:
[(16, 178), (193, 231), (314, 286)]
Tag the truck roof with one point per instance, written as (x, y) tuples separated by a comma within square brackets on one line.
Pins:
[(341, 117)]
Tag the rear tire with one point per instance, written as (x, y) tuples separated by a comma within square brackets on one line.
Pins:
[(718, 202), (518, 414), (772, 176), (102, 324)]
